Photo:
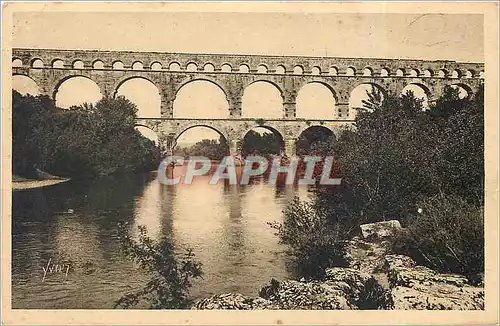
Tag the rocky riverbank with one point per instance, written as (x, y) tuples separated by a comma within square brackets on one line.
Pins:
[(375, 279)]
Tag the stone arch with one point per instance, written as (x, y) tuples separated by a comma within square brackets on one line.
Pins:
[(367, 72), (400, 72), (204, 78), (298, 70), (148, 132), (309, 135), (420, 91), (118, 65), (360, 93), (428, 73), (146, 97), (252, 103), (156, 66), (191, 67), (350, 71), (174, 66), (137, 65), (216, 99), (470, 73), (333, 71), (272, 82), (220, 131), (262, 69), (61, 82), (57, 63), (465, 88), (384, 72), (456, 73), (323, 100), (37, 63), (24, 85), (244, 68), (98, 64), (16, 62), (316, 70), (442, 73), (414, 73), (208, 67), (280, 69), (226, 67), (78, 64), (121, 81), (273, 129)]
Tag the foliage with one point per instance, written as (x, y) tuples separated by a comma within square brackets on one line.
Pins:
[(255, 143), (171, 279), (87, 140), (210, 148), (399, 155), (313, 242), (28, 113), (446, 235)]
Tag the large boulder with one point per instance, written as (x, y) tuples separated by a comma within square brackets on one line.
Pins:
[(421, 288), (379, 229)]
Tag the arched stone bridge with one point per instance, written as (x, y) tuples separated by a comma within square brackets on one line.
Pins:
[(49, 68)]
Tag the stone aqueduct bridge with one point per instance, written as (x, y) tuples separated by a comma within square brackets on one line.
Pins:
[(49, 68)]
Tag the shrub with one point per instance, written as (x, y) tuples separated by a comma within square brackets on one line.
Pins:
[(313, 243), (171, 278), (87, 140), (448, 235)]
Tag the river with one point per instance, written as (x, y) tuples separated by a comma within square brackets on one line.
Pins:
[(75, 224)]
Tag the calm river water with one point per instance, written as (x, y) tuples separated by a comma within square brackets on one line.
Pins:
[(76, 222)]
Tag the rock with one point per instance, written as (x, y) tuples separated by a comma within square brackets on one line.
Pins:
[(366, 256), (312, 295), (362, 290), (232, 301), (394, 261), (341, 289), (419, 287), (379, 229)]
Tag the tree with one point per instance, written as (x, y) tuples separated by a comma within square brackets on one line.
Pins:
[(255, 143), (86, 140), (398, 156), (171, 278)]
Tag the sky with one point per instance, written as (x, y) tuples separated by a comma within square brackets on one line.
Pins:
[(419, 36), (429, 36)]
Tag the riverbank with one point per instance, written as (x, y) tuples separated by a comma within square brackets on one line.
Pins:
[(20, 183), (376, 279)]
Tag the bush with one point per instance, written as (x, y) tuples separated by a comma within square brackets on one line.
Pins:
[(312, 241), (85, 141), (171, 279), (448, 235), (397, 157)]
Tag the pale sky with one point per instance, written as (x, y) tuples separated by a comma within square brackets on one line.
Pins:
[(431, 36)]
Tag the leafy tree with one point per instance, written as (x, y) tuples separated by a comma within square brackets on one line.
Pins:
[(171, 278), (210, 148), (87, 140), (398, 156), (255, 143), (447, 234)]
